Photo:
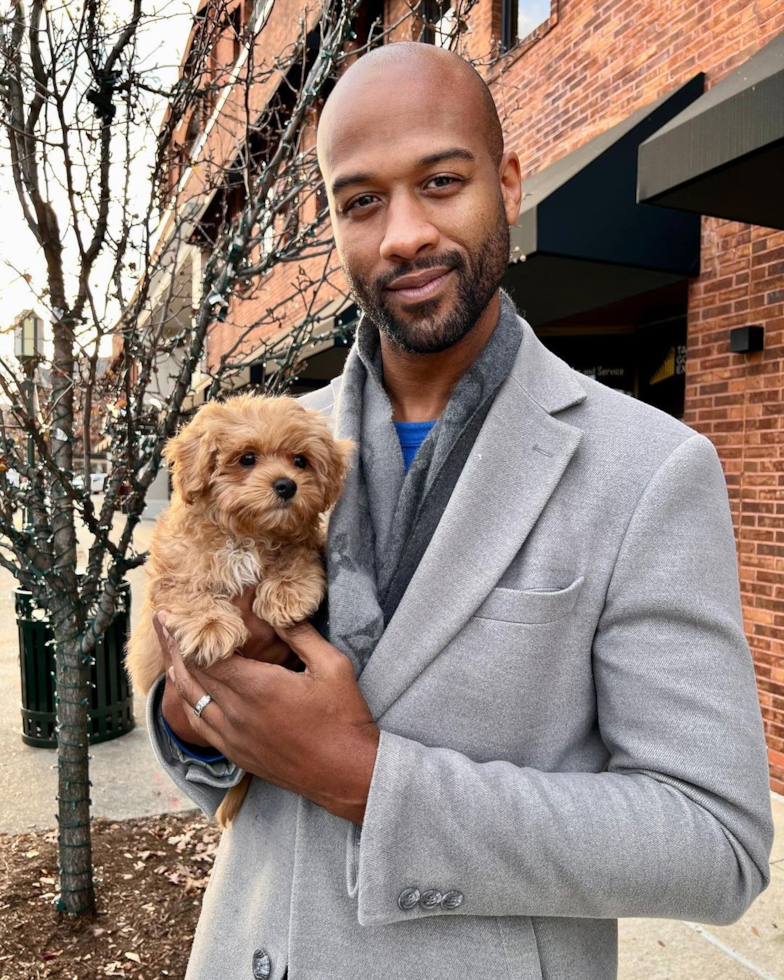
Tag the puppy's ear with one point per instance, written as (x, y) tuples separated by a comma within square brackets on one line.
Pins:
[(338, 465), (192, 455)]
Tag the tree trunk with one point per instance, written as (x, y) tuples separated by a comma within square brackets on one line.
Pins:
[(72, 676), (77, 893)]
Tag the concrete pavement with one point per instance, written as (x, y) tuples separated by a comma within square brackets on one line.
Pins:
[(126, 778), (127, 782)]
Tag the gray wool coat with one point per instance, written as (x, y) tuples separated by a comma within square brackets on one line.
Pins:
[(570, 727)]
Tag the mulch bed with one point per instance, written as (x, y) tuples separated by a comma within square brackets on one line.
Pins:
[(150, 875)]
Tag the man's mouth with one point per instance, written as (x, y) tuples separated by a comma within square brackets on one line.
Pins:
[(412, 289)]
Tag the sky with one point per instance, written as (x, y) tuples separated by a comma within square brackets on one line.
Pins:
[(530, 14), (161, 44)]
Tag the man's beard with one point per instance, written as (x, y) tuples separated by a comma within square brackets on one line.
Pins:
[(424, 331)]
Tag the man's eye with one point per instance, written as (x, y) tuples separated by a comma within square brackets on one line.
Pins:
[(356, 202), (247, 459), (452, 180), (300, 461)]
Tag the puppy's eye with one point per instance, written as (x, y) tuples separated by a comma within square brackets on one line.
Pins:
[(300, 461), (248, 459)]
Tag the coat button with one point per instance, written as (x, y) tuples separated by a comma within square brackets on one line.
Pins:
[(451, 900), (408, 898), (430, 899), (262, 966)]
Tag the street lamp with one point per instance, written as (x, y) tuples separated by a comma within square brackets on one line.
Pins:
[(28, 347)]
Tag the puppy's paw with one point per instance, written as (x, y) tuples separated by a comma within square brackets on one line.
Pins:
[(285, 603), (211, 638)]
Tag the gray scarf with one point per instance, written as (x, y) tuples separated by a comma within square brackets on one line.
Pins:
[(385, 517)]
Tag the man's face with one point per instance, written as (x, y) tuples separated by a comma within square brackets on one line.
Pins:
[(420, 220)]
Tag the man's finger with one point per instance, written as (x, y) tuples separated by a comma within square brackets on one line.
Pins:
[(208, 725), (232, 672), (158, 626), (308, 644)]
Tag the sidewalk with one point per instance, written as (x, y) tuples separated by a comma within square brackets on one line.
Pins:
[(126, 778), (127, 782)]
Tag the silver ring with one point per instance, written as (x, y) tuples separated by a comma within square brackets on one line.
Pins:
[(201, 704)]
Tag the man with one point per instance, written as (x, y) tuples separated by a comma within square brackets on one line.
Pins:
[(530, 707)]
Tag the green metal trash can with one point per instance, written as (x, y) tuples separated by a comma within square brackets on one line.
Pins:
[(111, 699)]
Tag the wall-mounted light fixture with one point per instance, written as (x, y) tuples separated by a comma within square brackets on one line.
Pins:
[(744, 340)]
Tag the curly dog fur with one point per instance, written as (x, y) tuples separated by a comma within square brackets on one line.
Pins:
[(252, 480)]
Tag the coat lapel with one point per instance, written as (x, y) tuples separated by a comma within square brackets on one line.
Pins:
[(515, 465)]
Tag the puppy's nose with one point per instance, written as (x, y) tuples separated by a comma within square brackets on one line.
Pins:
[(284, 488)]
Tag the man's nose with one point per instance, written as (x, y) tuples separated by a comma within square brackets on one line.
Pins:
[(408, 230)]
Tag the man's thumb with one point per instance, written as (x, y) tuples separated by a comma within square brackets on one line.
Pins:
[(305, 640)]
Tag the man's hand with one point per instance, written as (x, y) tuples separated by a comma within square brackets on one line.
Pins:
[(310, 732), (264, 645)]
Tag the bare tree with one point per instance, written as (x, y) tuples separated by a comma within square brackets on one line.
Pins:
[(153, 264)]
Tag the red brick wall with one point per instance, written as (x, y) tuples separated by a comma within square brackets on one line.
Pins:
[(249, 308), (736, 400), (595, 64)]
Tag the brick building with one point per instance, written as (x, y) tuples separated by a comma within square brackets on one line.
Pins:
[(645, 298)]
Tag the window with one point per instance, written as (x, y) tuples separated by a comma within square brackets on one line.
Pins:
[(440, 23), (521, 18), (290, 221), (261, 11), (369, 23), (266, 242), (192, 131), (235, 33), (446, 28)]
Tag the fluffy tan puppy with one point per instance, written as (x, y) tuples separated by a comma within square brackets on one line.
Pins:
[(252, 478)]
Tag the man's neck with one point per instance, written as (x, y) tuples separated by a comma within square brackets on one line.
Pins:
[(419, 386)]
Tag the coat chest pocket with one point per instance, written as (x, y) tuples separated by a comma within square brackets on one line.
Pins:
[(530, 605)]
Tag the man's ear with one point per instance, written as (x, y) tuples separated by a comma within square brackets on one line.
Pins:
[(191, 454), (511, 188)]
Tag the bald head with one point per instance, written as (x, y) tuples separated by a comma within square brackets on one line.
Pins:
[(437, 74), (421, 193)]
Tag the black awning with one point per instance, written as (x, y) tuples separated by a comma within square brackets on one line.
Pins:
[(582, 241), (724, 154)]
